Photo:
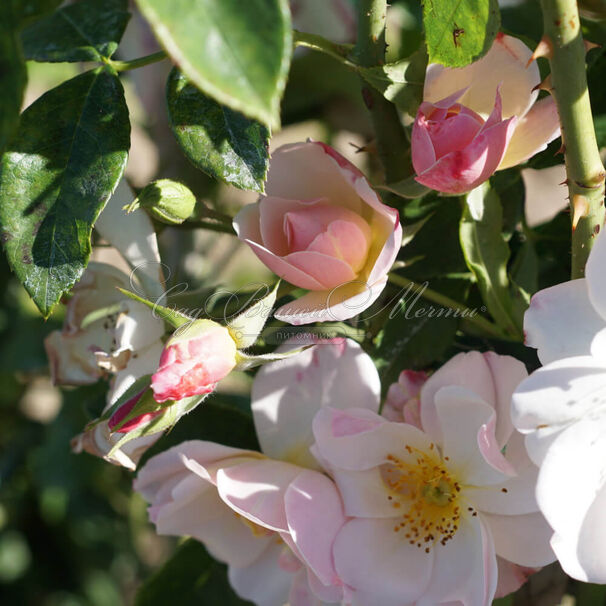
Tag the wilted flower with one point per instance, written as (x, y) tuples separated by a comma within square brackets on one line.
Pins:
[(321, 227), (481, 118)]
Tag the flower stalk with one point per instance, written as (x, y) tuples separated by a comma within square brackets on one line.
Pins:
[(585, 172)]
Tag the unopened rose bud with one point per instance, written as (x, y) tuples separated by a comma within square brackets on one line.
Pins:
[(124, 411), (194, 360), (167, 201)]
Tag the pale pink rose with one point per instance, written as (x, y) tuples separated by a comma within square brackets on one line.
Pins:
[(194, 360), (481, 118), (321, 227), (402, 403), (271, 522), (443, 501)]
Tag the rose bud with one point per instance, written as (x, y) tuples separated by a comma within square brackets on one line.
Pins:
[(166, 201), (321, 227), (481, 118), (125, 410), (193, 361)]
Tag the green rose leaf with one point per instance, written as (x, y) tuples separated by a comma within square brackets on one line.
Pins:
[(14, 74), (86, 31), (487, 255), (236, 52), (28, 10), (57, 174), (223, 143), (458, 32)]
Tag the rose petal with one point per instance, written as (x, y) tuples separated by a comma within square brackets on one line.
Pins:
[(546, 193), (534, 131), (287, 394), (504, 64), (595, 276)]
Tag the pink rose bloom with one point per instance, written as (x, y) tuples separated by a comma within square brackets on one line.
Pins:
[(481, 118), (321, 227), (194, 360), (434, 514), (271, 522), (402, 403)]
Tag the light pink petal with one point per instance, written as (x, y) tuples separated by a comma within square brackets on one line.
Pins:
[(247, 223), (256, 490), (464, 570), (546, 193), (548, 326), (330, 272), (331, 306), (357, 439), (372, 558), (424, 156), (573, 387), (595, 276), (453, 133), (534, 131), (346, 240), (271, 220), (284, 269), (504, 64), (364, 493), (507, 374), (570, 481), (314, 511), (521, 539), (511, 577), (386, 257), (287, 394), (172, 461), (305, 171), (463, 170), (467, 439), (470, 370), (592, 540), (518, 499), (263, 581), (300, 592)]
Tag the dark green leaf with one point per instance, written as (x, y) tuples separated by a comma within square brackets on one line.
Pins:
[(418, 332), (190, 578), (12, 71), (400, 82), (236, 52), (27, 10), (55, 178), (458, 32), (487, 254), (221, 142), (88, 30)]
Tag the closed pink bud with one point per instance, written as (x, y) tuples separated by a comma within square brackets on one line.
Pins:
[(194, 360), (453, 148), (125, 410)]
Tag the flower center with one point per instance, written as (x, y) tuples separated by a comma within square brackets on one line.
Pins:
[(421, 486)]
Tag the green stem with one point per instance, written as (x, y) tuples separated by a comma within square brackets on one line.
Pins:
[(123, 66), (369, 51), (210, 225), (322, 45), (431, 295), (583, 164)]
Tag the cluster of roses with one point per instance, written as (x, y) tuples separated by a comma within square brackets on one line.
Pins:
[(443, 497)]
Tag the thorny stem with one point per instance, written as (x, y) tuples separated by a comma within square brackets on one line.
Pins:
[(484, 325), (584, 167), (369, 51)]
